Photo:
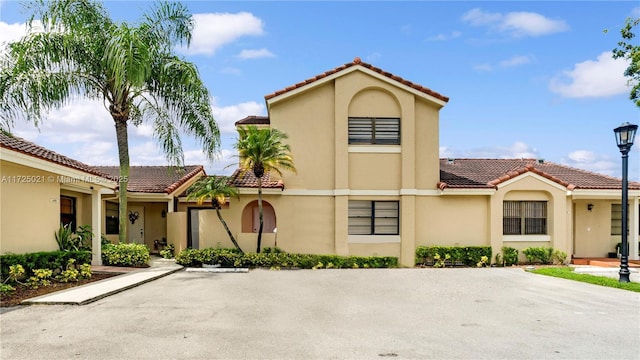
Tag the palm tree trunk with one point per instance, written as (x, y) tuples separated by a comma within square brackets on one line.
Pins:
[(260, 213), (224, 223), (123, 180)]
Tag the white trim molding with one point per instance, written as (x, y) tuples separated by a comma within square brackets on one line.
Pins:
[(526, 238), (373, 239), (381, 149), (348, 70), (535, 176)]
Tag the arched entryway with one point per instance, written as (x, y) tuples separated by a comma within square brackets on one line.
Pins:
[(251, 220)]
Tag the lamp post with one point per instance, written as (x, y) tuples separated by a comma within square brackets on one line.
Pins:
[(624, 138)]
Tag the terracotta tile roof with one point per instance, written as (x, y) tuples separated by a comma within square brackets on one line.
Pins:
[(155, 179), (358, 62), (248, 180), (254, 120), (28, 148), (488, 173)]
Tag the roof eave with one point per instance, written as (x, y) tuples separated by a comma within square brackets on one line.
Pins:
[(295, 90)]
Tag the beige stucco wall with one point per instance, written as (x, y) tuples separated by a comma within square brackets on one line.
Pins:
[(308, 120), (177, 230), (30, 211), (377, 171), (427, 148), (593, 228), (452, 220), (30, 207), (559, 213), (304, 224)]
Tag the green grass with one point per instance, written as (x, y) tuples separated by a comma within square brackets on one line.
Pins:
[(567, 273)]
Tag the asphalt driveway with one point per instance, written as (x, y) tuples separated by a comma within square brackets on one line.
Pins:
[(336, 314)]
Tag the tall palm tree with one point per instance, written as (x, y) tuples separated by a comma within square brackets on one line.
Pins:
[(217, 189), (131, 68), (262, 151)]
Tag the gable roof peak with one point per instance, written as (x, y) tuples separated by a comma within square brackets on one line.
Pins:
[(358, 62)]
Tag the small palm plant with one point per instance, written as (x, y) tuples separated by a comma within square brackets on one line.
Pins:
[(216, 189), (261, 151)]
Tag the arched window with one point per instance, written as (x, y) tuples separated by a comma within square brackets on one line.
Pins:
[(251, 219)]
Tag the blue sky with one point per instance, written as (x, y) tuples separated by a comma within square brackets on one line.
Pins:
[(525, 79)]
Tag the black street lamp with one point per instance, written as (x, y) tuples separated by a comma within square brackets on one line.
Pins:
[(624, 138)]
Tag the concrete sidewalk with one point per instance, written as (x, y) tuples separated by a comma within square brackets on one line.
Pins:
[(612, 272), (100, 289)]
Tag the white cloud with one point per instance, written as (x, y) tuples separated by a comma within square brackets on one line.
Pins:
[(255, 54), (590, 161), (516, 60), (14, 32), (446, 152), (477, 17), (516, 151), (143, 130), (516, 24), (373, 57), (214, 30), (97, 153), (146, 153), (225, 163), (81, 121), (11, 32), (593, 78), (483, 67), (226, 116), (443, 37), (230, 71)]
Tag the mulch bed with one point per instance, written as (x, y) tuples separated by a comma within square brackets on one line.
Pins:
[(23, 292)]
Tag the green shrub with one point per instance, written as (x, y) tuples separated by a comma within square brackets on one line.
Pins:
[(457, 255), (40, 277), (540, 255), (6, 288), (189, 257), (74, 241), (74, 273), (278, 259), (132, 255), (168, 251), (509, 256), (558, 257), (41, 260)]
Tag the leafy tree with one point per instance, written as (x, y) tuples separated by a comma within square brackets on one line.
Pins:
[(262, 151), (627, 49), (82, 53), (217, 189)]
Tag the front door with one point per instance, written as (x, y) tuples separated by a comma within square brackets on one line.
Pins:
[(136, 224)]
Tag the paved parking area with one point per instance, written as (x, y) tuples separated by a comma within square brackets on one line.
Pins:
[(336, 314)]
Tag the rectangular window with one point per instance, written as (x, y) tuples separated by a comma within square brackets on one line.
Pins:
[(616, 219), (374, 217), (68, 211), (371, 130), (524, 218), (111, 222)]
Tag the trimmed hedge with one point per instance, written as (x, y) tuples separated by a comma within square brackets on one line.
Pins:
[(233, 258), (132, 255), (460, 255), (509, 256), (42, 260)]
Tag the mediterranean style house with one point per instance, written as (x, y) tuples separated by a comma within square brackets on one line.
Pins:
[(40, 189), (369, 182)]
